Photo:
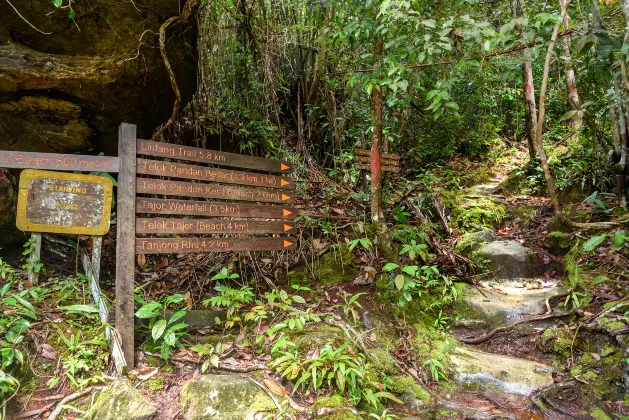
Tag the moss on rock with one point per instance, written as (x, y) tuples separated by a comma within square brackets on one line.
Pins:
[(557, 340), (472, 211), (225, 397), (121, 401), (334, 407), (335, 266), (314, 337), (598, 414), (472, 241), (557, 240)]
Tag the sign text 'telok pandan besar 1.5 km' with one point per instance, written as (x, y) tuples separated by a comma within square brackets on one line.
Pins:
[(223, 206)]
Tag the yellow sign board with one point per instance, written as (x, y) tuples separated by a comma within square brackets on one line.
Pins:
[(59, 202)]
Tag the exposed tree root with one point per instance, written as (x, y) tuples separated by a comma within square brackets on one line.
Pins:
[(71, 398), (543, 395), (183, 18), (505, 328)]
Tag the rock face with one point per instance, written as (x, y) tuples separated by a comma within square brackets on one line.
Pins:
[(225, 397), (510, 260), (8, 200), (70, 89), (478, 370), (121, 401)]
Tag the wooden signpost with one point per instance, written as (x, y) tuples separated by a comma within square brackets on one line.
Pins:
[(213, 209), (389, 161)]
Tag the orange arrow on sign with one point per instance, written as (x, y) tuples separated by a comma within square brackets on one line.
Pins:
[(287, 243), (286, 212), (287, 228), (283, 182), (285, 197), (284, 167)]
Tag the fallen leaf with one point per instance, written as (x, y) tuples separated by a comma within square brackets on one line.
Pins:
[(595, 356), (274, 387), (48, 352), (147, 373), (141, 260)]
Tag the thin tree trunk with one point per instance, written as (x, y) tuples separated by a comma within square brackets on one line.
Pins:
[(378, 219), (528, 88), (550, 182), (571, 81)]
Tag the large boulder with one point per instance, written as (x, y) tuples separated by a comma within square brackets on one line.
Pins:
[(510, 260), (226, 397), (69, 89), (121, 401)]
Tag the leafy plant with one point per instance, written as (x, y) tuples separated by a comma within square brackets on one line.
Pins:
[(414, 249), (413, 280), (349, 306), (164, 333), (209, 353), (435, 368), (364, 242), (31, 261), (5, 270), (400, 214)]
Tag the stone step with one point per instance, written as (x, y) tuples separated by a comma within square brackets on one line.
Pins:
[(499, 302), (508, 259), (498, 374)]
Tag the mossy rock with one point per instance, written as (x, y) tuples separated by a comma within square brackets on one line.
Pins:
[(334, 407), (472, 241), (381, 361), (472, 211), (557, 340), (523, 216), (225, 397), (559, 241), (414, 396), (314, 337), (156, 384), (598, 414), (216, 339), (335, 267), (121, 401)]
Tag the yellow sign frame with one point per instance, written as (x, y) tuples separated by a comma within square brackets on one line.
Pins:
[(26, 225)]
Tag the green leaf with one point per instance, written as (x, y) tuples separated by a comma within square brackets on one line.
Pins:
[(299, 299), (399, 281), (593, 242), (149, 310), (57, 3), (170, 339), (158, 329), (177, 316), (91, 309), (569, 115), (619, 240), (389, 267), (71, 15), (214, 360)]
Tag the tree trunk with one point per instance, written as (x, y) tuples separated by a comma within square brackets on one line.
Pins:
[(378, 219), (528, 88), (550, 182), (571, 81)]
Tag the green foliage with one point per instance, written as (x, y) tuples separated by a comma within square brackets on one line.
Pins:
[(165, 334), (336, 368), (414, 281), (31, 262), (5, 270), (350, 303)]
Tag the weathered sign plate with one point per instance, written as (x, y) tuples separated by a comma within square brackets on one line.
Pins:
[(58, 161), (206, 173), (383, 168), (64, 203), (211, 226), (212, 209), (205, 190), (214, 157), (387, 162), (365, 152), (203, 245)]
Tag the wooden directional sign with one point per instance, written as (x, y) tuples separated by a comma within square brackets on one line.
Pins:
[(195, 154), (64, 203), (218, 191), (383, 167), (212, 226), (213, 244), (206, 173), (58, 161), (365, 152), (387, 162), (212, 209)]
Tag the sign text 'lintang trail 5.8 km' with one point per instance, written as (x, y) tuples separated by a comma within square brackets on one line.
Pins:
[(213, 157)]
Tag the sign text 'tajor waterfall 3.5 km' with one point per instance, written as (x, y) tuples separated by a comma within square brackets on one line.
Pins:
[(233, 225)]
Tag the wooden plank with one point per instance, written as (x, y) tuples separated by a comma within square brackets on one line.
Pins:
[(146, 205), (58, 202), (217, 191), (366, 152), (211, 244), (206, 173), (193, 317), (125, 245), (211, 226), (111, 335), (58, 161), (384, 168), (386, 162), (34, 259), (214, 157)]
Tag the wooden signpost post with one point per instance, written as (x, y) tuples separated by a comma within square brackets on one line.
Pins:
[(213, 209)]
